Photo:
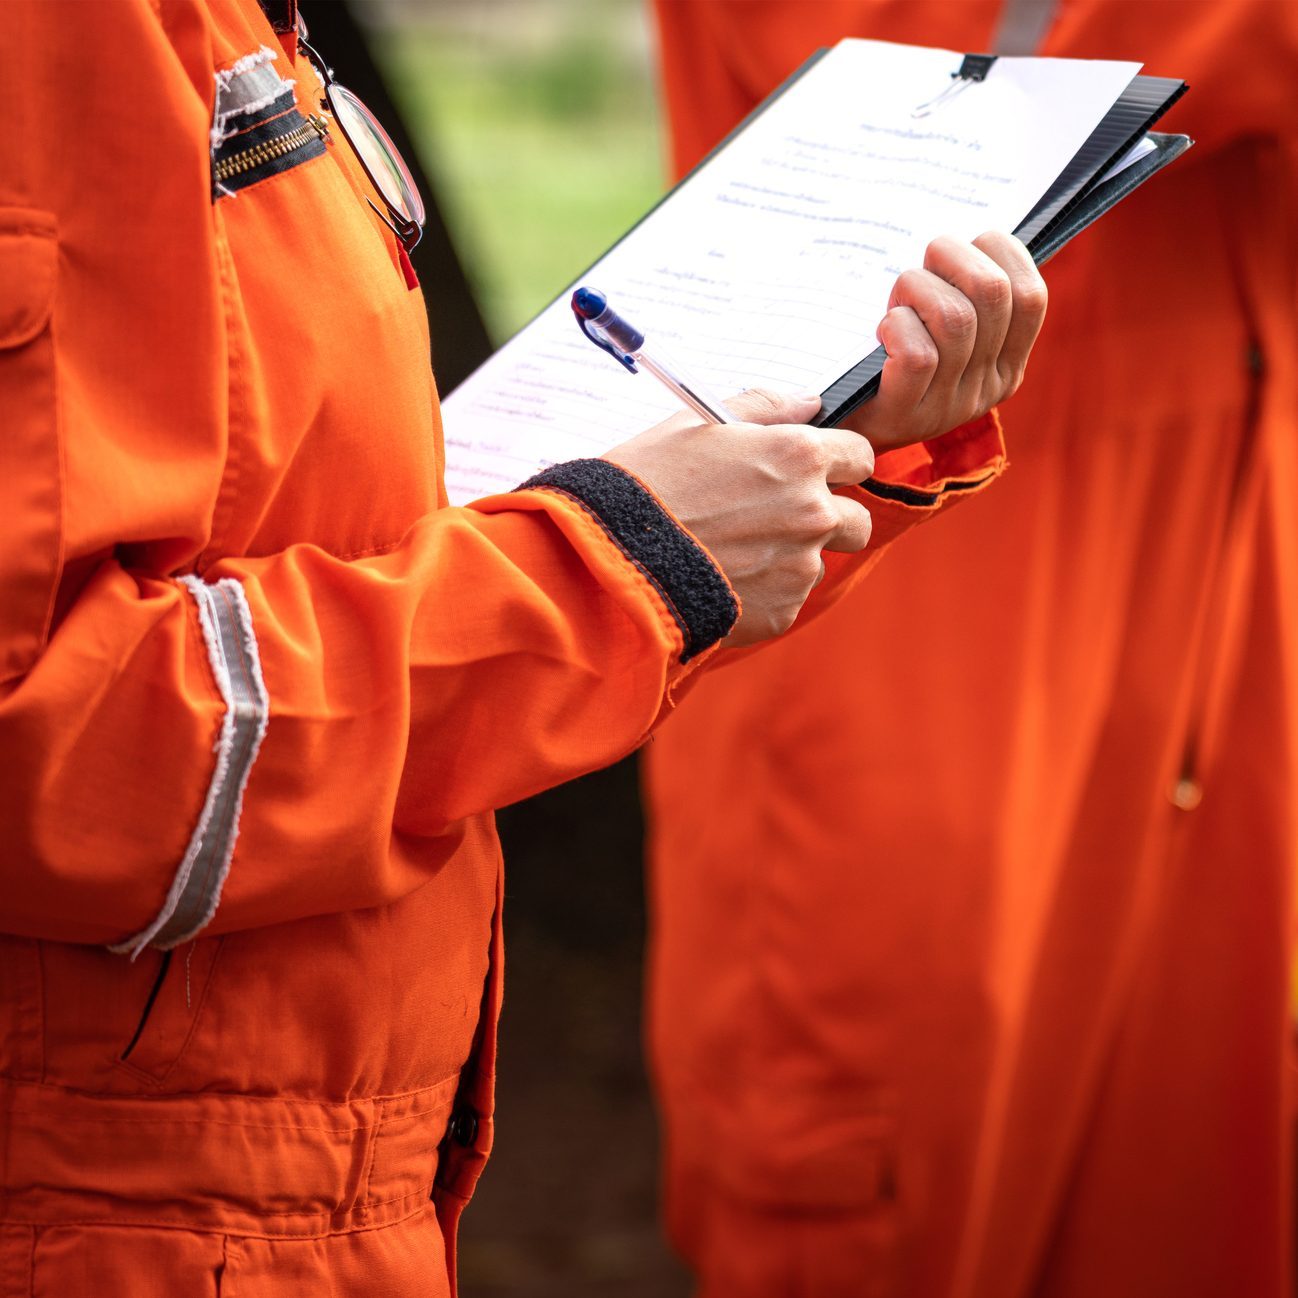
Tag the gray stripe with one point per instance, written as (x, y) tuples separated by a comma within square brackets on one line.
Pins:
[(1023, 26), (195, 891), (248, 709)]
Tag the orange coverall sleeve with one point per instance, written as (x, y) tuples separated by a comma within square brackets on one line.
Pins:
[(376, 700), (249, 670), (910, 486)]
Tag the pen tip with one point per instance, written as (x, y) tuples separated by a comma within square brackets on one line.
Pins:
[(588, 302)]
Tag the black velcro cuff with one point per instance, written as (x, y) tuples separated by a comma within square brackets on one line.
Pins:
[(691, 585)]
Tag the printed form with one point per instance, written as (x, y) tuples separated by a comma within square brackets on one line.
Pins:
[(772, 264)]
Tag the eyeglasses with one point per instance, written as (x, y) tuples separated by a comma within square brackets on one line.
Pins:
[(374, 150)]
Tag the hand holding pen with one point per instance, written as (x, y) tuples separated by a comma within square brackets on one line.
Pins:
[(760, 495), (753, 485)]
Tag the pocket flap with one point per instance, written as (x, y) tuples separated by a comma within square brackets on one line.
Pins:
[(28, 261)]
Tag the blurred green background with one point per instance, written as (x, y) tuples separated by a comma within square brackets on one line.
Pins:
[(537, 125), (538, 121)]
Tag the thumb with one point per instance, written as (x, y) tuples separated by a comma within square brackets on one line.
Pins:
[(761, 406)]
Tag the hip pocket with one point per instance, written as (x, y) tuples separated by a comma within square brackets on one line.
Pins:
[(30, 460)]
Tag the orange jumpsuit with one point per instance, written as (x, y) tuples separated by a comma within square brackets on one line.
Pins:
[(260, 689), (971, 901)]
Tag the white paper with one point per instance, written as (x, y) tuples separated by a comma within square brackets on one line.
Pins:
[(772, 265), (1142, 148)]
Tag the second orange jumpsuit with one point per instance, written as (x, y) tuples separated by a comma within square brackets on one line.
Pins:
[(972, 901)]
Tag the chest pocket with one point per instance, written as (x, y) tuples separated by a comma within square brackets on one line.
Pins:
[(30, 461), (333, 427)]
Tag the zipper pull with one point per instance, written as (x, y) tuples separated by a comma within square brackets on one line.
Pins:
[(318, 125)]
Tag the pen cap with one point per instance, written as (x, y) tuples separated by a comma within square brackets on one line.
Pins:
[(591, 308)]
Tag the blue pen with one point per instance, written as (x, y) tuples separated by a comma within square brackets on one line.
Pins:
[(625, 343)]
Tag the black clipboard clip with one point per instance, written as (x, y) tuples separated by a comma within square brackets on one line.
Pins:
[(975, 67)]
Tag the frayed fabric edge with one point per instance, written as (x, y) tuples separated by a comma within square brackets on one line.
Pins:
[(248, 64), (226, 622)]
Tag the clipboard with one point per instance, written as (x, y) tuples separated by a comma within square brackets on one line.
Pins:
[(1084, 191), (545, 396)]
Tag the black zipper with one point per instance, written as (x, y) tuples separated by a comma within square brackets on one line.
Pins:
[(257, 155)]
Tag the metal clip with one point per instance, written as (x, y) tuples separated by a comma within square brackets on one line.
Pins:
[(974, 67)]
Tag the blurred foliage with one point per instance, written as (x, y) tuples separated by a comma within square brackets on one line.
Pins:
[(539, 123)]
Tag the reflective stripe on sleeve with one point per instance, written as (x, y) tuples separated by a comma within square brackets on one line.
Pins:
[(226, 620)]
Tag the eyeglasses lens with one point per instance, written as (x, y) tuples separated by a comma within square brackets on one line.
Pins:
[(378, 153)]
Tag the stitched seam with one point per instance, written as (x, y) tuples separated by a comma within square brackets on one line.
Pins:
[(40, 1006), (360, 1209), (217, 1122), (237, 419), (253, 126), (682, 629), (198, 1009), (383, 547), (22, 1083), (364, 1205), (158, 1080), (262, 57), (128, 1222), (701, 600)]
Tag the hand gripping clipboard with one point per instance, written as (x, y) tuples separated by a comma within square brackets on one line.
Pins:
[(1086, 189)]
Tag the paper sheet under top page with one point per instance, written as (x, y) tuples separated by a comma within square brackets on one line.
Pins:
[(771, 266)]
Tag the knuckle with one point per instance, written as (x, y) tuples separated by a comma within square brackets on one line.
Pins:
[(910, 284), (915, 355), (861, 527), (867, 461), (940, 250), (803, 451), (995, 243), (958, 318), (821, 519), (1012, 380), (992, 288), (1033, 296), (760, 404), (808, 573)]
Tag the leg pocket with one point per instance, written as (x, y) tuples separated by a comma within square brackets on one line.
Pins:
[(407, 1260), (125, 1262), (16, 1244)]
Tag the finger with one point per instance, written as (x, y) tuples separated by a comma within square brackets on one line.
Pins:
[(948, 316), (852, 534), (820, 576), (753, 405), (849, 458), (908, 372), (1028, 300), (986, 284), (761, 406)]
